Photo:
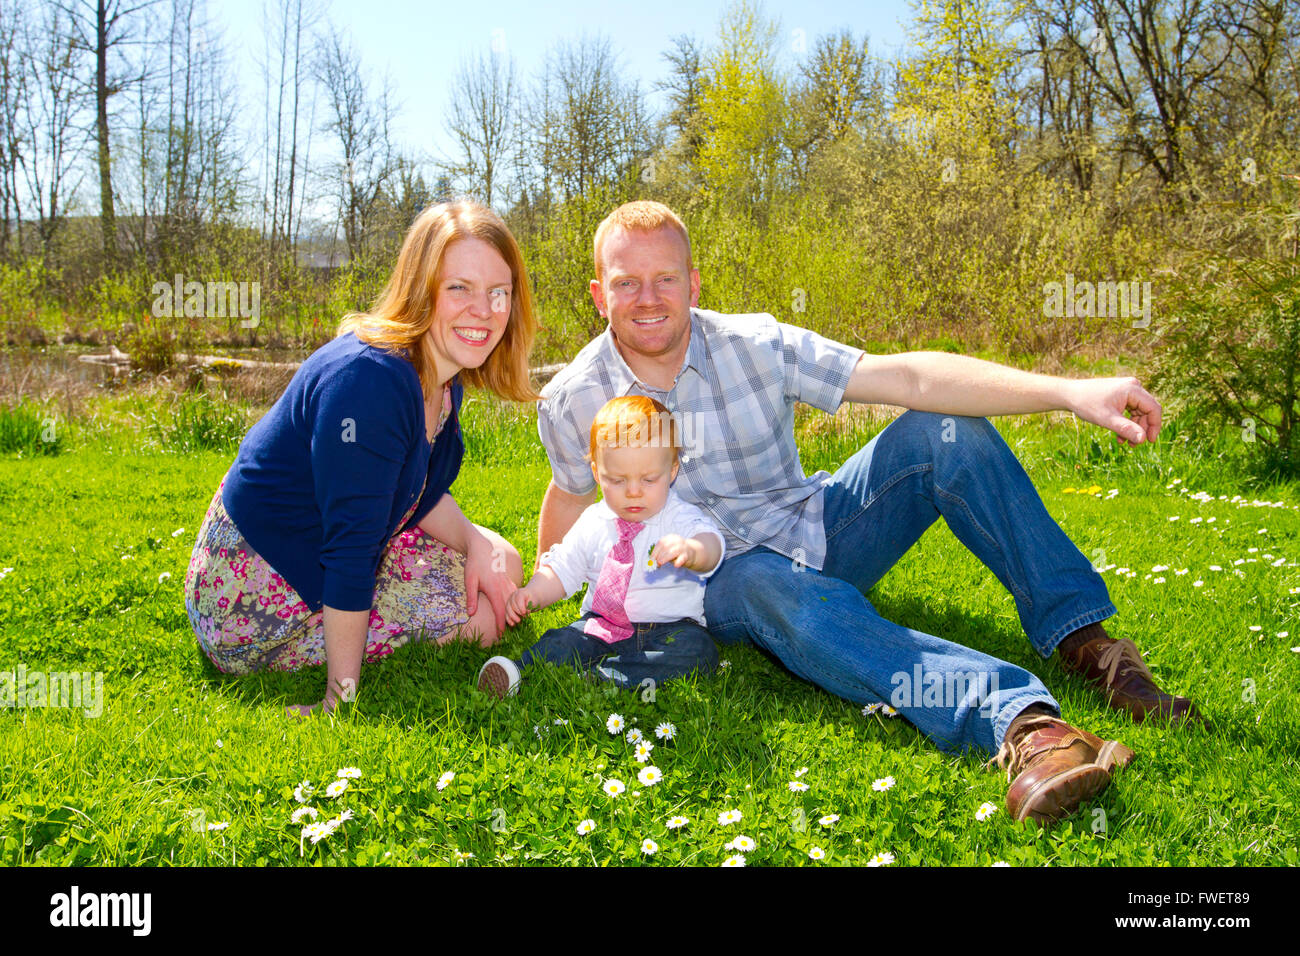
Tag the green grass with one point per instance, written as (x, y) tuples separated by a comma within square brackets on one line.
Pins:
[(89, 532)]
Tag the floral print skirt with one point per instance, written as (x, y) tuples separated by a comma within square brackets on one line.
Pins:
[(248, 618)]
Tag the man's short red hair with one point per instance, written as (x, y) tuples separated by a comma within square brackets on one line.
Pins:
[(643, 215)]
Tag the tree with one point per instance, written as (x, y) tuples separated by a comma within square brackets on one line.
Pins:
[(13, 84), (361, 125), (482, 121), (285, 158), (100, 27), (51, 102), (743, 107), (586, 125), (685, 87)]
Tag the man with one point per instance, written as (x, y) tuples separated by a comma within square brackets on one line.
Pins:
[(803, 551)]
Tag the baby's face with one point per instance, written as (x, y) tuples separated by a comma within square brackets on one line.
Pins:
[(635, 480)]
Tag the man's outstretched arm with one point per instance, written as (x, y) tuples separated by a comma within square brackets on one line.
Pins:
[(960, 385), (559, 512)]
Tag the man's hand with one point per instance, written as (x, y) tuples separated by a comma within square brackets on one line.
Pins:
[(480, 576), (1108, 402)]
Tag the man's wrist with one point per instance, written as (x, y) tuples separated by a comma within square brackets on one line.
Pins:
[(1067, 394)]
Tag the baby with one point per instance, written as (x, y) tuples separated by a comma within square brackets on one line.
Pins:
[(644, 554)]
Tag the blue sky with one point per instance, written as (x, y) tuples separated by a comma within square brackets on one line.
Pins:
[(420, 44)]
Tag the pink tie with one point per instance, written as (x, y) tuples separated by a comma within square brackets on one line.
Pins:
[(611, 623)]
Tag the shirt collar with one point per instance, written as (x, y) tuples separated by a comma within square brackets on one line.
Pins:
[(622, 378)]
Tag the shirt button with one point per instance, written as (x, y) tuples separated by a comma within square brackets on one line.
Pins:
[(685, 459), (741, 529), (712, 499)]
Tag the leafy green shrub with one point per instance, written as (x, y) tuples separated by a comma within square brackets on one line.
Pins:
[(151, 344), (1231, 352), (27, 430), (20, 287)]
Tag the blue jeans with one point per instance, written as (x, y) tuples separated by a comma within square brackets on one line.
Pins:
[(821, 626), (655, 652)]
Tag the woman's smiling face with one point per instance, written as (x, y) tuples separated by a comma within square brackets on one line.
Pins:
[(472, 306)]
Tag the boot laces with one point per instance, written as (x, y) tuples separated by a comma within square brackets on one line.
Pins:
[(1123, 654)]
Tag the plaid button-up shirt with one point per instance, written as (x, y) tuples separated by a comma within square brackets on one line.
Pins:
[(734, 399)]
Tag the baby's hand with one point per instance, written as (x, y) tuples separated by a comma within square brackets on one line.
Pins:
[(674, 549), (517, 606)]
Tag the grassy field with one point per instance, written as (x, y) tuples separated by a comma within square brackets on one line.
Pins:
[(185, 766)]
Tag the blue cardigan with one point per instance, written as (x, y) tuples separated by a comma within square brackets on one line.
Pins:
[(322, 480)]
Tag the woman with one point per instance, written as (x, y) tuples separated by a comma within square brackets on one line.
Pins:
[(332, 537)]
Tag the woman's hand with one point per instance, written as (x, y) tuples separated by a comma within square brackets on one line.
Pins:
[(306, 710), (347, 691), (485, 570), (345, 642)]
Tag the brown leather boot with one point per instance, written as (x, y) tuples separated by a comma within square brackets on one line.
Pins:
[(1056, 767), (1116, 669)]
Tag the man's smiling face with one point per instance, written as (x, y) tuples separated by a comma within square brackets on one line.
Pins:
[(646, 290)]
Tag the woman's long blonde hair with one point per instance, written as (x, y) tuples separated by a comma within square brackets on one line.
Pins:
[(403, 313)]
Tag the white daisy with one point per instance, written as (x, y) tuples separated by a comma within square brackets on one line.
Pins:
[(164, 576), (336, 788), (446, 779), (649, 847), (985, 811), (737, 860), (800, 772), (741, 843), (643, 751), (817, 853), (676, 822), (586, 826), (881, 859), (649, 776), (217, 826), (634, 735), (303, 812), (317, 831), (614, 723), (613, 787), (797, 786), (729, 816), (178, 532), (1000, 863), (302, 793), (870, 709), (883, 784), (829, 819), (349, 773), (665, 731), (888, 711)]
